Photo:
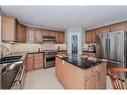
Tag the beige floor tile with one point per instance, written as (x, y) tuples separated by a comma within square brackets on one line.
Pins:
[(46, 79)]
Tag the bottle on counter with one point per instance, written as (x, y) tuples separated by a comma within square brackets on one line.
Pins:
[(39, 50)]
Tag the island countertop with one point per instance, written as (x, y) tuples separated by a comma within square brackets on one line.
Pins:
[(80, 61)]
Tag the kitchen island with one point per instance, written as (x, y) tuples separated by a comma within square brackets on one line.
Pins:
[(75, 72)]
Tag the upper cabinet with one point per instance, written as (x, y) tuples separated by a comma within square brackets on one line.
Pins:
[(21, 33), (8, 29), (13, 31), (88, 36), (38, 36), (60, 37), (118, 27), (30, 35), (91, 34)]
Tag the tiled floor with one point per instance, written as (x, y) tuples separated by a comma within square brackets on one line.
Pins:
[(46, 79)]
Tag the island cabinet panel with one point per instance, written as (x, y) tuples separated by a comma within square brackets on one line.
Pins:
[(73, 77), (59, 69), (90, 82), (101, 79)]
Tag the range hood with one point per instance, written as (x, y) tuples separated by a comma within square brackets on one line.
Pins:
[(49, 39)]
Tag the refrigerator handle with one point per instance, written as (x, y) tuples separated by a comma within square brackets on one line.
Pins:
[(108, 46), (106, 50)]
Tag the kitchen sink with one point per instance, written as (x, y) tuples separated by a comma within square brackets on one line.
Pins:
[(9, 59)]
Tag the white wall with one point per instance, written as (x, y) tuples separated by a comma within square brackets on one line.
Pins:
[(0, 30), (75, 31)]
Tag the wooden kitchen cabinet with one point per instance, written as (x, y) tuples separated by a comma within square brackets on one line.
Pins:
[(101, 79), (8, 29), (59, 70), (30, 35), (30, 62), (118, 27), (52, 33), (91, 34), (38, 36), (88, 36), (60, 37), (38, 60), (90, 82), (73, 77), (46, 32), (34, 61), (21, 33)]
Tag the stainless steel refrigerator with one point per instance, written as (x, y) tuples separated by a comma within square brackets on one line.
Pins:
[(113, 47)]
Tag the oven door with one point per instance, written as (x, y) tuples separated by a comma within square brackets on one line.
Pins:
[(49, 61)]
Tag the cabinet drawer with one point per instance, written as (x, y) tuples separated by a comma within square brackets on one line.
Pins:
[(38, 55), (30, 55), (38, 61)]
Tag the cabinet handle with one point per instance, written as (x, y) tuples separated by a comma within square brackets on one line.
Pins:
[(98, 76), (62, 61)]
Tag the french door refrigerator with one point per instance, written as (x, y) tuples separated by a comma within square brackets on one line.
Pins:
[(112, 46)]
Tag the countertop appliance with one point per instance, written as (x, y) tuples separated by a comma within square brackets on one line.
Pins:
[(112, 46), (92, 48), (49, 58)]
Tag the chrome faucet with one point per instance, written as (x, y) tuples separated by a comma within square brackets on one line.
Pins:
[(3, 47)]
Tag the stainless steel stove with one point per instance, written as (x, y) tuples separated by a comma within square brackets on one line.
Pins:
[(49, 58)]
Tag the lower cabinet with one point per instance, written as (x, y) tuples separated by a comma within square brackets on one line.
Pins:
[(96, 80), (34, 61), (30, 62), (90, 82), (72, 77)]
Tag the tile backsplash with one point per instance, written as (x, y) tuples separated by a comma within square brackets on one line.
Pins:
[(23, 47)]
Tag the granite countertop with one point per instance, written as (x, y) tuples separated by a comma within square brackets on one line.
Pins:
[(88, 51), (80, 61)]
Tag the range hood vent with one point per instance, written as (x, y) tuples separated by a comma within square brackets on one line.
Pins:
[(48, 38)]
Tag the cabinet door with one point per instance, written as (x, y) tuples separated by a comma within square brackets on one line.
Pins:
[(93, 36), (103, 29), (118, 27), (88, 36), (30, 62), (30, 35), (38, 60), (52, 33), (59, 70), (101, 79), (38, 36), (90, 82), (21, 33), (46, 32), (8, 29), (59, 37)]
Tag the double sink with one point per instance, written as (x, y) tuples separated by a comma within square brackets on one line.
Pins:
[(9, 59)]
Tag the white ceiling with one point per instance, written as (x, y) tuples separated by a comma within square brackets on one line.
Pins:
[(62, 17)]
